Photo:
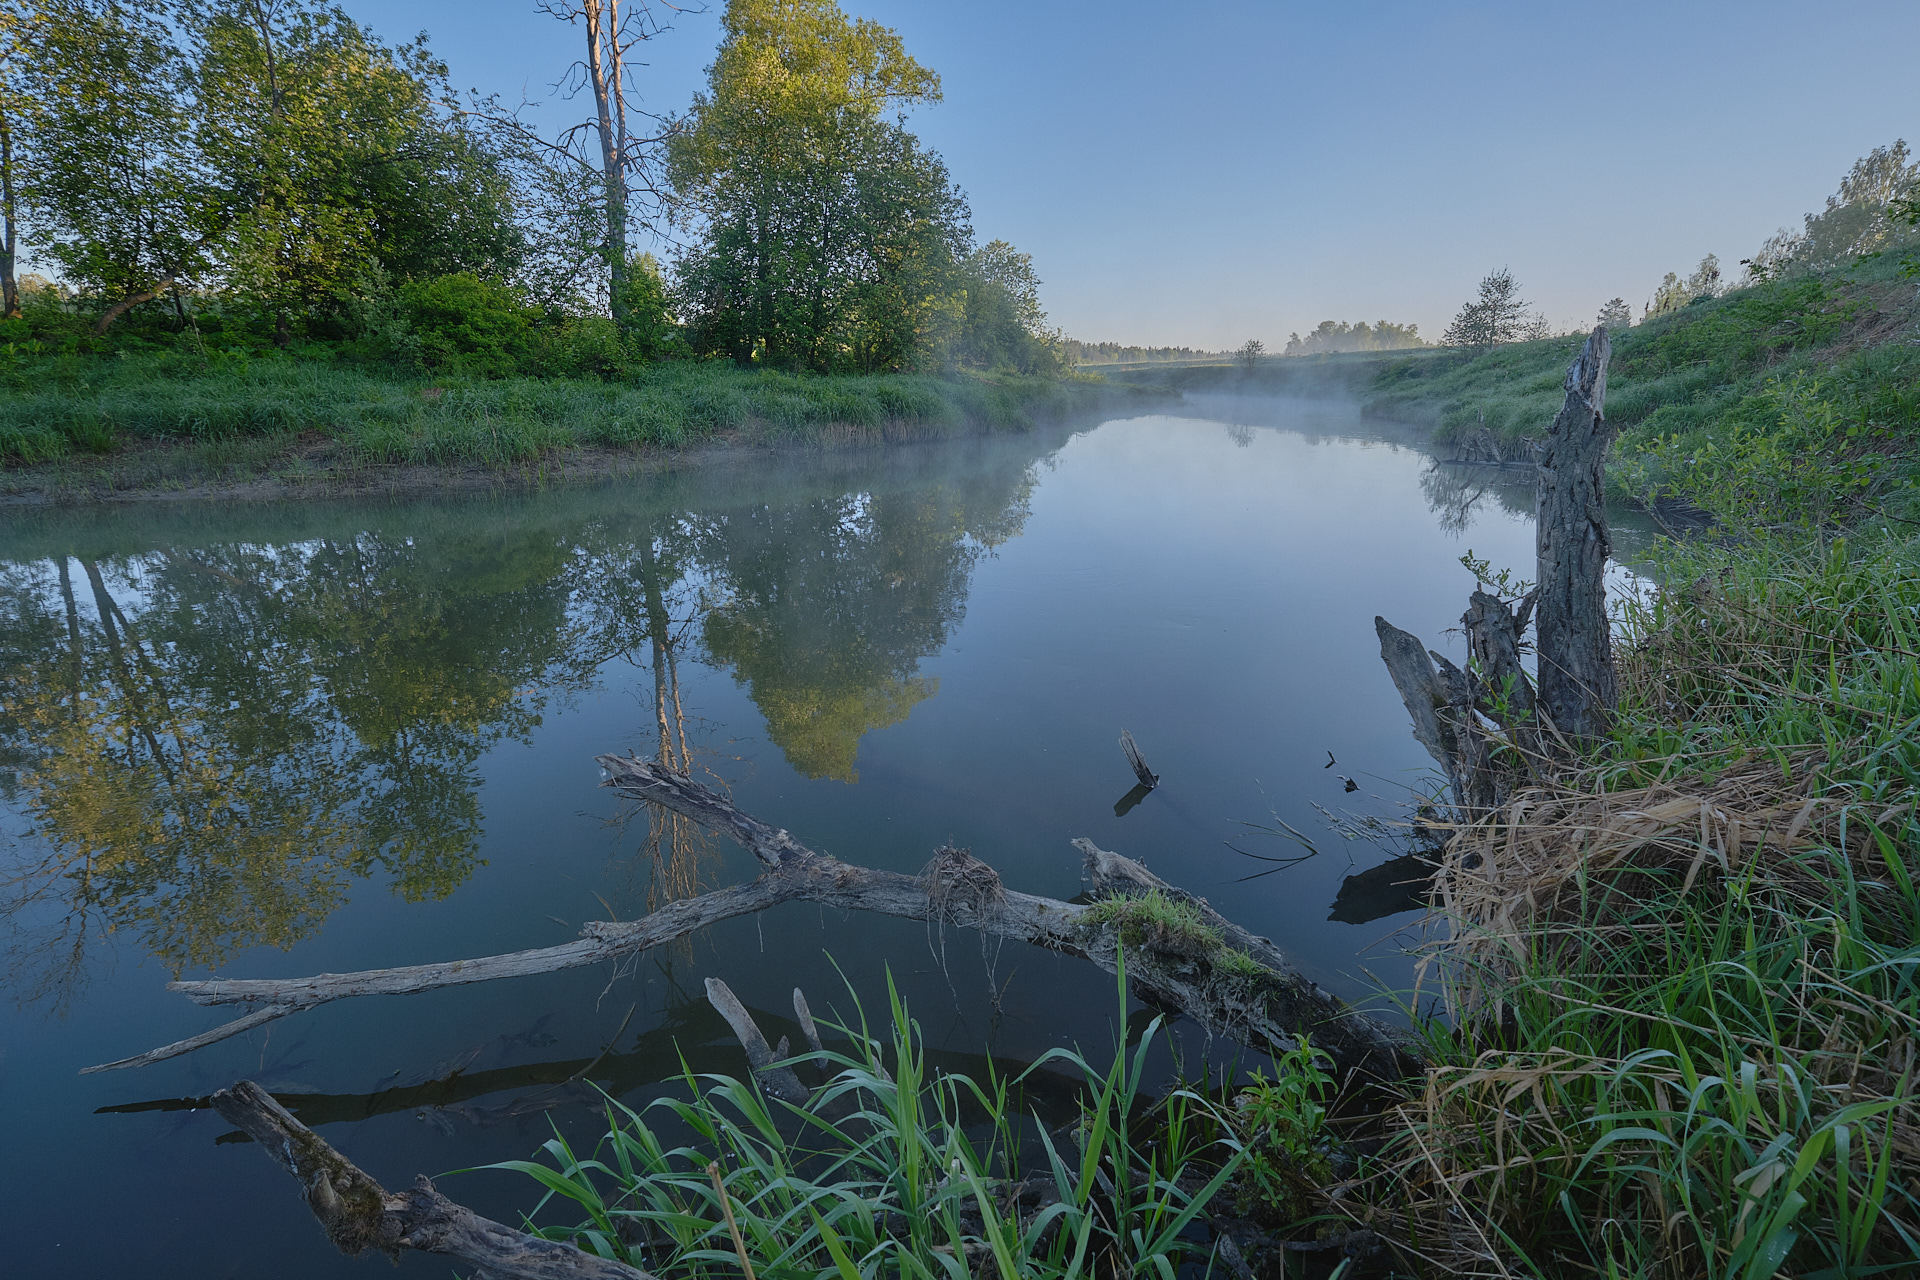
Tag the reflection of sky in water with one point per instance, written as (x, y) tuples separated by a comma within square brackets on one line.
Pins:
[(964, 627)]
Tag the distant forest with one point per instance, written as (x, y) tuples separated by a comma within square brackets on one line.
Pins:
[(1078, 352), (1326, 338), (1331, 336)]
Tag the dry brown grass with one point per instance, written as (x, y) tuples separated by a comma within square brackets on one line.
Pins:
[(1552, 859)]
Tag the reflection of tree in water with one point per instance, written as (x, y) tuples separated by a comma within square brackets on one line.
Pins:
[(832, 604), (210, 747), (1456, 493), (635, 580), (213, 745)]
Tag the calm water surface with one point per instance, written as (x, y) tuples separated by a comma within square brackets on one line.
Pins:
[(306, 738)]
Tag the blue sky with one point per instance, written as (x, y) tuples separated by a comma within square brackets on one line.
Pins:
[(1203, 173)]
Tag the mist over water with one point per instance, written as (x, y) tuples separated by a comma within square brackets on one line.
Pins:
[(326, 737)]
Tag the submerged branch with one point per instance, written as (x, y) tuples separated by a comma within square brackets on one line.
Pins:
[(359, 1214)]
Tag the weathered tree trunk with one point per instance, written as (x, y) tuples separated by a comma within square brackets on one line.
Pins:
[(1578, 689), (603, 77), (1438, 697), (9, 229), (1455, 713), (1266, 1010), (359, 1214)]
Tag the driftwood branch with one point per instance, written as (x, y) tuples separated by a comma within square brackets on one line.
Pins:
[(777, 1080), (1138, 763), (602, 941), (1265, 1010), (359, 1214)]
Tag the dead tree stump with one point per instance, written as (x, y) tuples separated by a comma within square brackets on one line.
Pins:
[(1577, 686), (1489, 726)]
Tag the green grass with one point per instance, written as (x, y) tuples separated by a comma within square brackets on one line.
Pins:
[(1691, 1056), (1680, 1050), (1795, 402), (892, 1170), (65, 408)]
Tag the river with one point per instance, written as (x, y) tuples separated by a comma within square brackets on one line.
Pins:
[(324, 736)]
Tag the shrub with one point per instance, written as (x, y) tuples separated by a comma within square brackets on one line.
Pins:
[(463, 322)]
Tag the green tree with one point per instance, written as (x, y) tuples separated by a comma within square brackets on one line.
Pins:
[(646, 311), (1333, 336), (337, 152), (1496, 315), (1673, 293), (120, 197), (1861, 217), (1615, 314), (825, 235), (1003, 325), (1250, 352)]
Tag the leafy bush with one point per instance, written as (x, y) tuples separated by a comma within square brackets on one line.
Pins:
[(462, 322)]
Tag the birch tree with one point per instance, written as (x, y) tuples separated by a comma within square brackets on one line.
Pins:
[(604, 166)]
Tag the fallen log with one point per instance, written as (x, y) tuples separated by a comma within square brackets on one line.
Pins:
[(1236, 986), (359, 1214)]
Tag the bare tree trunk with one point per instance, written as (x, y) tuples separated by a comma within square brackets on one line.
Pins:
[(359, 1214), (1573, 698), (603, 77), (1578, 688), (9, 229)]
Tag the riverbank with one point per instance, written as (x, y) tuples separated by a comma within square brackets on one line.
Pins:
[(162, 426), (1683, 963)]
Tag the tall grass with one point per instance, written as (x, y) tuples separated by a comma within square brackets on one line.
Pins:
[(890, 1169), (68, 406), (1689, 974)]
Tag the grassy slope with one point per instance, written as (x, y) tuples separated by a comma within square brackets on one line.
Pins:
[(1700, 940), (167, 420), (1801, 395)]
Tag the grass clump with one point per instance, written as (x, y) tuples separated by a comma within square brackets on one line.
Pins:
[(1159, 921), (891, 1169)]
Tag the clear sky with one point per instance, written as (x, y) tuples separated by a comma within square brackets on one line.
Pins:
[(1202, 173)]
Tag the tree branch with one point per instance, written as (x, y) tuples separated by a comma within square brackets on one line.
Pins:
[(1266, 1005)]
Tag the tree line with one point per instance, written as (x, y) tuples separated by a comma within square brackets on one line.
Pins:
[(274, 165), (1331, 337)]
